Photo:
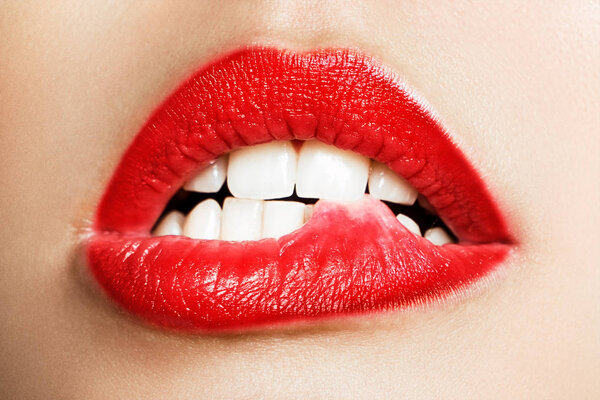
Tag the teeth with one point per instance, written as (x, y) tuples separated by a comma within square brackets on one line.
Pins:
[(385, 184), (264, 171), (241, 219), (210, 179), (327, 172), (409, 224), (171, 224), (269, 171), (308, 212), (204, 221), (438, 236), (281, 218)]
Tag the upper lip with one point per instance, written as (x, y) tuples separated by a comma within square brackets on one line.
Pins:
[(256, 95)]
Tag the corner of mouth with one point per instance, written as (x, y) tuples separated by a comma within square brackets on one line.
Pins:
[(275, 186)]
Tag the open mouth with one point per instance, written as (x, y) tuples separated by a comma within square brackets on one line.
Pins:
[(275, 186)]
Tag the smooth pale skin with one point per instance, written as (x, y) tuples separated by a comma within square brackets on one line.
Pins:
[(516, 83)]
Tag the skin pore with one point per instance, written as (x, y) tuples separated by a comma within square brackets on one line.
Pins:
[(515, 83)]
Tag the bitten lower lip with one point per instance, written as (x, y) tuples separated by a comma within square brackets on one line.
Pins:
[(347, 259)]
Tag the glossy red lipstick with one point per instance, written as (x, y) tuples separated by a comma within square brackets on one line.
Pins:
[(348, 258)]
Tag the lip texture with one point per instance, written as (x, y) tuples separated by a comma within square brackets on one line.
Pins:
[(348, 258)]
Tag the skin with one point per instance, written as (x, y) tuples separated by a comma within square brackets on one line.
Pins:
[(517, 85)]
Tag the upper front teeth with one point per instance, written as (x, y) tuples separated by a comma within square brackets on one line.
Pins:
[(210, 179), (264, 171), (385, 184), (326, 172), (270, 171)]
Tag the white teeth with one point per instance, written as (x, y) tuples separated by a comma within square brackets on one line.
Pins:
[(438, 236), (281, 218), (204, 221), (264, 171), (327, 172), (171, 224), (241, 219), (385, 184), (270, 171), (308, 212), (409, 224), (209, 179)]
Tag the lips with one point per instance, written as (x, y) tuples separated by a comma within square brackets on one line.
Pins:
[(350, 257)]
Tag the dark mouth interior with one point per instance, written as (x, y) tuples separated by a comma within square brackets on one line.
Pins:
[(183, 201)]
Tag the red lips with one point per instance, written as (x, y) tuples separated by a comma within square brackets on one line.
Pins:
[(347, 258)]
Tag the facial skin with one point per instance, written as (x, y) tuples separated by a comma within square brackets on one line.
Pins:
[(515, 83)]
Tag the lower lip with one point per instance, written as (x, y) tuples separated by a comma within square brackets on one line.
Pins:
[(349, 258)]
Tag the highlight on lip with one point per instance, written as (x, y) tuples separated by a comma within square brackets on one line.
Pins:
[(275, 186)]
